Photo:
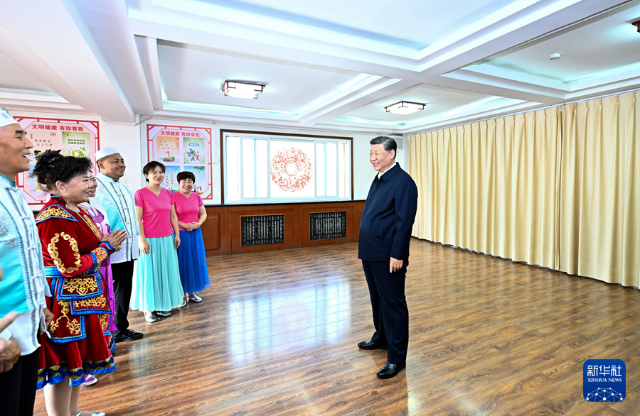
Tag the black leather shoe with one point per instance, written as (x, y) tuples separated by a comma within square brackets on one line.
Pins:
[(126, 335), (391, 370), (370, 345)]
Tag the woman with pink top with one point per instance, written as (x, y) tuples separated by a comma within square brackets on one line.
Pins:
[(191, 255), (156, 282)]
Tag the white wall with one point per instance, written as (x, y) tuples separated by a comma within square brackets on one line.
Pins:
[(363, 172), (130, 140), (125, 138), (215, 149)]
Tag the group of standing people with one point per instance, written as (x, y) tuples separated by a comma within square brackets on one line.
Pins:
[(69, 277), (173, 265)]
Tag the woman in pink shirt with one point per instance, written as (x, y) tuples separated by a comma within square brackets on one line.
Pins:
[(191, 255), (156, 282)]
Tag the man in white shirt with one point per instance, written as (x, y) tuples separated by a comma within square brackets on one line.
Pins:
[(116, 197), (23, 286)]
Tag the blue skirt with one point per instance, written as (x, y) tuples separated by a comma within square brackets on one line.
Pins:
[(193, 261), (156, 281)]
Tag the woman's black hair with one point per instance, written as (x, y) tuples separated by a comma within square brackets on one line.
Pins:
[(52, 167), (186, 175), (151, 166)]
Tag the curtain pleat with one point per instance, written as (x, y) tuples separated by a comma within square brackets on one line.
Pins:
[(600, 190), (559, 188), (490, 186)]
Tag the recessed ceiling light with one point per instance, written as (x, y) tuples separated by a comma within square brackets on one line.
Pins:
[(404, 107), (637, 24), (555, 56), (240, 89)]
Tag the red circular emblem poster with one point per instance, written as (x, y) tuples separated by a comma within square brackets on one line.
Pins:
[(291, 169)]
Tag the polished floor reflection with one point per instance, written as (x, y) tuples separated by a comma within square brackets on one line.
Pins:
[(277, 334)]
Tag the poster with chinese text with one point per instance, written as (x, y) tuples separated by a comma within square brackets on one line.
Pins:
[(78, 138), (182, 149)]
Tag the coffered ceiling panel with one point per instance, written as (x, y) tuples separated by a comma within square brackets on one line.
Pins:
[(441, 104), (605, 47), (408, 23), (196, 75), (330, 65)]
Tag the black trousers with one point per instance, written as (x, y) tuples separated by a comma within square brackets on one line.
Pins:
[(18, 387), (389, 307), (122, 283)]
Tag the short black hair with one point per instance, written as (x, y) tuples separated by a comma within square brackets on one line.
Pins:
[(186, 175), (387, 142), (151, 166), (52, 167)]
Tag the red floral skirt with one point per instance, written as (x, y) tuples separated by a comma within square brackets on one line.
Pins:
[(61, 358)]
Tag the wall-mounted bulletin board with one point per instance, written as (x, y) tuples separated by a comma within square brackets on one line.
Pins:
[(79, 138), (182, 148)]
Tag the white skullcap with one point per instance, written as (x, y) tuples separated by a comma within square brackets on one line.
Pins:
[(6, 119), (107, 151)]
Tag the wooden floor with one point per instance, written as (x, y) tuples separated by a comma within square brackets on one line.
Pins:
[(277, 334)]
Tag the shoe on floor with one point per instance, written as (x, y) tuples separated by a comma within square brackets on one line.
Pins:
[(195, 298), (184, 302), (391, 370), (89, 380), (149, 317), (163, 313), (370, 345), (126, 335)]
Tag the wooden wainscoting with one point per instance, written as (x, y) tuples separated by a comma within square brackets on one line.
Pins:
[(222, 231)]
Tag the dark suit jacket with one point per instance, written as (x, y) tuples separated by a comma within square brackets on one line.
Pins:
[(387, 217)]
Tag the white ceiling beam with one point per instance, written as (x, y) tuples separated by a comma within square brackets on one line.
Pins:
[(508, 88), (33, 65), (58, 46), (305, 53), (107, 22), (148, 57), (382, 88), (469, 118), (510, 34)]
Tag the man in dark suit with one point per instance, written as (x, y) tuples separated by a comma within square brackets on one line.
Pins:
[(385, 233)]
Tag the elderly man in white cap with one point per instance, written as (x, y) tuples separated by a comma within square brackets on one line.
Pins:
[(116, 199), (23, 286)]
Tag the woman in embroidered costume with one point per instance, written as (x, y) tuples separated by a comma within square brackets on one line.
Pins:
[(73, 249)]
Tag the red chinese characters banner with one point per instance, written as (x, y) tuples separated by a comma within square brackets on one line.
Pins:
[(182, 149), (77, 138)]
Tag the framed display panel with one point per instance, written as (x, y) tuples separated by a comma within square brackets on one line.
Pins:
[(79, 138), (272, 168), (182, 148)]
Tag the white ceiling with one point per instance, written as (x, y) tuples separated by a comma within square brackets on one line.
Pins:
[(604, 47), (196, 76), (13, 76), (327, 65), (440, 102), (362, 18)]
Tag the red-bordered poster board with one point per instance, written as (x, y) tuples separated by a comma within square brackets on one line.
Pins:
[(78, 138), (182, 149)]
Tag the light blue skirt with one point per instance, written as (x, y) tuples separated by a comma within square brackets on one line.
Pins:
[(156, 281)]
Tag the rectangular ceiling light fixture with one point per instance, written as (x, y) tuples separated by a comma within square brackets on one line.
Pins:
[(240, 89), (404, 107)]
